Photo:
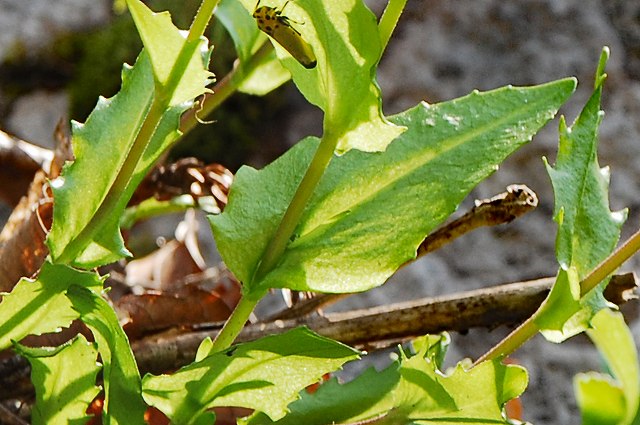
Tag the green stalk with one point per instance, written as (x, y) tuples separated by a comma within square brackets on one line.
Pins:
[(201, 20), (292, 216), (278, 243), (611, 263), (192, 43), (528, 329), (234, 324), (389, 20)]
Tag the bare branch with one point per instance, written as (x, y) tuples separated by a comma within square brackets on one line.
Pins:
[(488, 307)]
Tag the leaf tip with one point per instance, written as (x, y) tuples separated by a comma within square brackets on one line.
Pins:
[(602, 63)]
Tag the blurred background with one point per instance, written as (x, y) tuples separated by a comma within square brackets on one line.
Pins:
[(57, 57)]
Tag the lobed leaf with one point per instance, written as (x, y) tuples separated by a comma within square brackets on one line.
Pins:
[(587, 230), (462, 396), (38, 306), (123, 403), (372, 210), (411, 391), (64, 379), (336, 403), (163, 43), (265, 375), (111, 159)]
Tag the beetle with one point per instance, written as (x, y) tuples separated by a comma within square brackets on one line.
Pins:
[(272, 22)]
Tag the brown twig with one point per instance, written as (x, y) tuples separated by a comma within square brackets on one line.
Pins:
[(503, 208), (8, 418), (487, 307), (516, 201)]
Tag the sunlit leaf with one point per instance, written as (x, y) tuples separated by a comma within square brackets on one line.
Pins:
[(37, 306), (410, 392), (605, 399), (345, 40), (587, 230), (65, 381), (112, 157), (372, 210), (265, 375), (163, 43)]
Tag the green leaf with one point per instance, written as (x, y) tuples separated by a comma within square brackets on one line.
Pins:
[(600, 399), (603, 397), (587, 230), (335, 403), (123, 403), (115, 148), (462, 396), (163, 43), (37, 306), (372, 210), (435, 346), (265, 375), (266, 74), (64, 379), (239, 23), (412, 391)]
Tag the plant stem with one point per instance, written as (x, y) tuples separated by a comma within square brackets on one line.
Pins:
[(611, 263), (389, 20), (187, 50), (278, 243), (513, 341), (201, 20), (528, 329), (292, 216), (234, 324)]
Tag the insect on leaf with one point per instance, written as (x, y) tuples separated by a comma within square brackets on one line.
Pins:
[(272, 22)]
